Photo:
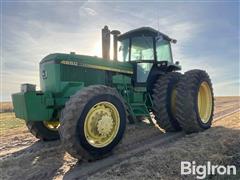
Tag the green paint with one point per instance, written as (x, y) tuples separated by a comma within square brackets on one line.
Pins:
[(62, 75), (33, 106), (121, 79)]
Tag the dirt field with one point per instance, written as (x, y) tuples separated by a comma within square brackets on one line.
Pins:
[(220, 145), (24, 157), (6, 107)]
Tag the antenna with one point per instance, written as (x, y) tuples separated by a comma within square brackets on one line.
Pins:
[(158, 21)]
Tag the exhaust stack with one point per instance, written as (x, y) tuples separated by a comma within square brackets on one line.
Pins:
[(106, 43), (115, 34)]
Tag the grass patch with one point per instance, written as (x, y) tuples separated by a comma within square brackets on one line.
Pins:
[(9, 121)]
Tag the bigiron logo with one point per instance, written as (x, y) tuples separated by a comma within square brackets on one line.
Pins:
[(202, 171)]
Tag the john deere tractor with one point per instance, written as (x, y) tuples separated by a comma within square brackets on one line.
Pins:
[(87, 101)]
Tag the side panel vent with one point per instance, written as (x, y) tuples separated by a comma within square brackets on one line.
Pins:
[(87, 75)]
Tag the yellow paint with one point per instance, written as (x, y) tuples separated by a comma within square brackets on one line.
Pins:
[(52, 125), (101, 124), (74, 63), (204, 102)]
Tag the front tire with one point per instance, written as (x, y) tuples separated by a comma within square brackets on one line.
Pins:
[(195, 101), (93, 122), (44, 130)]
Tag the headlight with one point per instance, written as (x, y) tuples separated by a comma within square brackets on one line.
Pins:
[(28, 87)]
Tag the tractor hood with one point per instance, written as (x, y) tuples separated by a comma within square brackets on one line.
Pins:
[(88, 62), (59, 73)]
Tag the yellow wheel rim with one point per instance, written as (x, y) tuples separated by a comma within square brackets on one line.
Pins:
[(101, 124), (52, 125), (204, 102)]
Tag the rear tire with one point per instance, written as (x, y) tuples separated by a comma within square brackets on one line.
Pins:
[(40, 131), (164, 101), (195, 101), (85, 131)]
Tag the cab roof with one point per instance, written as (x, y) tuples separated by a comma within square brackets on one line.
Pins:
[(147, 31)]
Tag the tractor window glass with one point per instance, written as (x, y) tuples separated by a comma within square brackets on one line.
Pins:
[(142, 48), (143, 70), (163, 50), (123, 54)]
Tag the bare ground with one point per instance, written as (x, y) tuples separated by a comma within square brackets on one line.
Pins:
[(24, 157), (220, 145), (6, 107)]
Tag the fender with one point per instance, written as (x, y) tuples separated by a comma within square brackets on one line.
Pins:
[(152, 77), (158, 69)]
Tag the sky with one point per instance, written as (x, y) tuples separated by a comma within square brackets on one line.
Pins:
[(207, 35)]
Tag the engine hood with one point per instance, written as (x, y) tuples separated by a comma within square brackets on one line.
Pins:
[(88, 62)]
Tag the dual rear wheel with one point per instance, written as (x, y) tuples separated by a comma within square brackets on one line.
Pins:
[(195, 101), (184, 101)]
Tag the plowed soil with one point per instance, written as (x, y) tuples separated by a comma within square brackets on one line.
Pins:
[(22, 156)]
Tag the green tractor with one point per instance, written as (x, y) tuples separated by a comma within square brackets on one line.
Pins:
[(87, 101)]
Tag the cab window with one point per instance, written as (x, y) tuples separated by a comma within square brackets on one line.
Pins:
[(123, 54), (142, 48), (143, 70), (163, 50)]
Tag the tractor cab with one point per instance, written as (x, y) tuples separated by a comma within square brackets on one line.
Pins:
[(147, 49)]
